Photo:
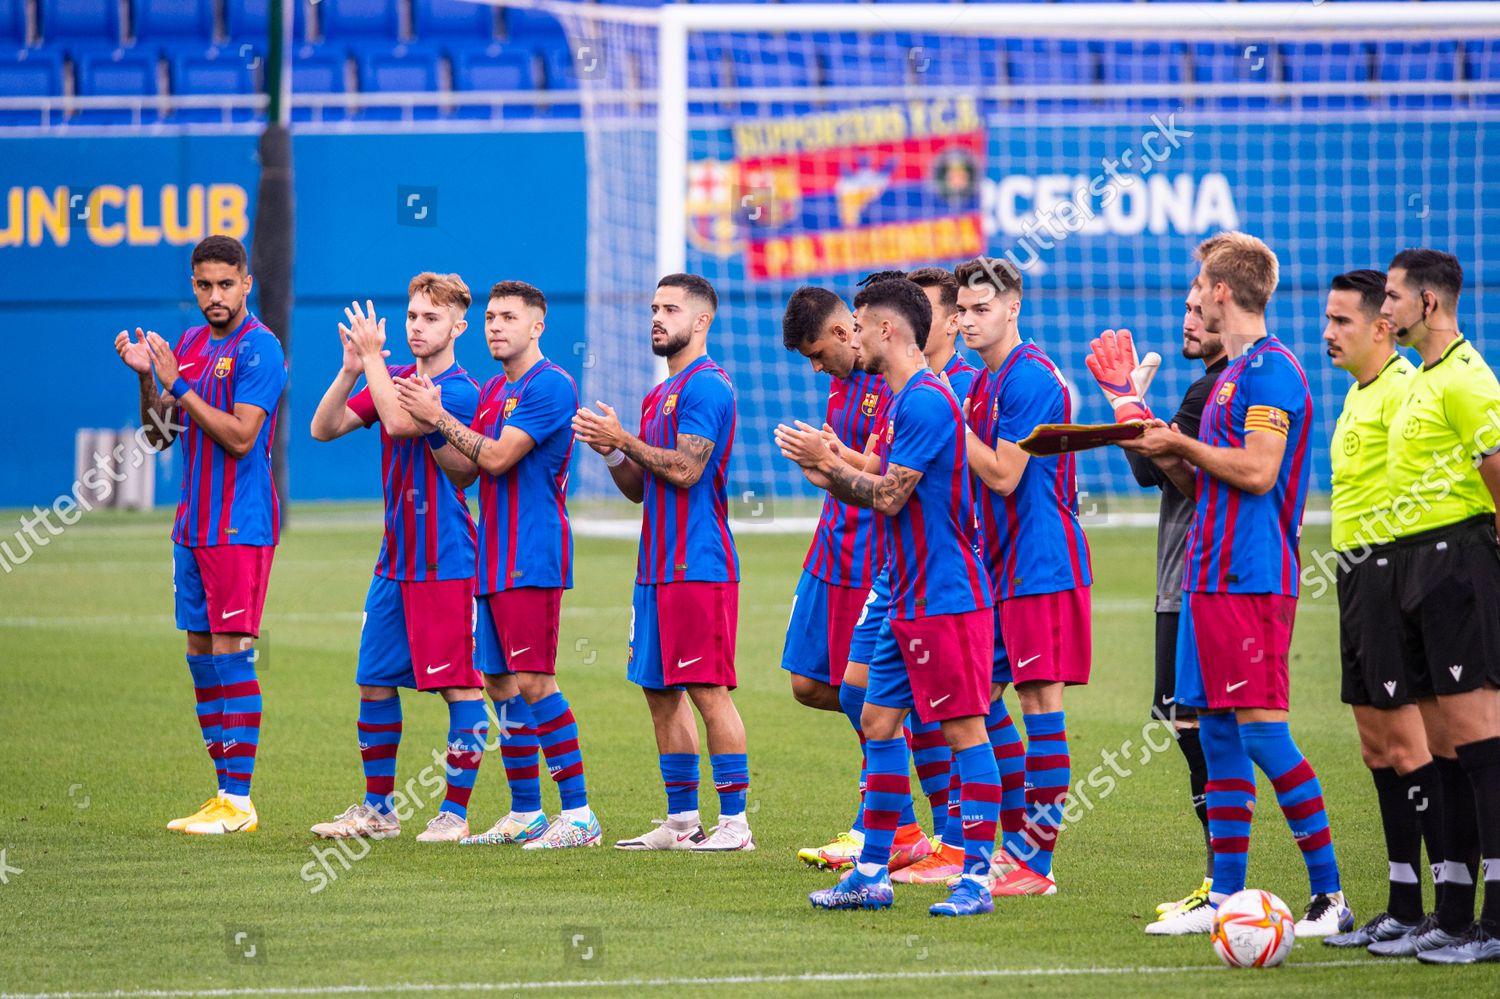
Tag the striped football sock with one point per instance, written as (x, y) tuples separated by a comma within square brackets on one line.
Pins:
[(980, 805), (732, 780), (1048, 773), (468, 724), (852, 701), (241, 721), (558, 734), (679, 772), (1010, 761), (210, 700), (1300, 796), (1231, 800), (379, 737), (930, 753), (520, 753), (889, 785)]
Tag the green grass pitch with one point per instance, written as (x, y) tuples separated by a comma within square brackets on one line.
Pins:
[(98, 748)]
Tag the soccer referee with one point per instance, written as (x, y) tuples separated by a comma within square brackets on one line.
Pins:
[(1173, 523), (1443, 473), (1391, 738)]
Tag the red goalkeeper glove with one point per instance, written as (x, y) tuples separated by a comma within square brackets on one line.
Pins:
[(1124, 381)]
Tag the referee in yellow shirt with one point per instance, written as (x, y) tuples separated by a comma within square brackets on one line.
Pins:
[(1443, 475), (1391, 737)]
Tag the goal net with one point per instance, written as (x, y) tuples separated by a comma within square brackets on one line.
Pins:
[(1094, 145)]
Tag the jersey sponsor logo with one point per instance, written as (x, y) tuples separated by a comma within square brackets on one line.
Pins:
[(669, 405), (482, 414), (221, 368), (1226, 392), (934, 703), (684, 664), (438, 669), (1029, 660), (510, 405), (1230, 688), (890, 433), (868, 403), (183, 367), (1412, 428), (229, 614), (1351, 443)]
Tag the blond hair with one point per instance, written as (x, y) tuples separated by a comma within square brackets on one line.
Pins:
[(441, 289), (1242, 262)]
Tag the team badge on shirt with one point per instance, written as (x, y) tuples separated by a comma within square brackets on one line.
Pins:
[(510, 405), (669, 405), (868, 404), (223, 367), (1226, 393)]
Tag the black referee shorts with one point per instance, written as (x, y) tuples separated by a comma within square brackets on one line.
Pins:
[(1164, 702), (1439, 595)]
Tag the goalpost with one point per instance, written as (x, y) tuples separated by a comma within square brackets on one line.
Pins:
[(1095, 144)]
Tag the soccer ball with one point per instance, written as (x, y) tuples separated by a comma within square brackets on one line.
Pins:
[(1253, 929)]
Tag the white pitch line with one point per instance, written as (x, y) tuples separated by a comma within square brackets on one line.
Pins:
[(595, 983)]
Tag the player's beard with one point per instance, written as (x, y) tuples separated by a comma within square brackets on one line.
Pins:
[(229, 315), (672, 345)]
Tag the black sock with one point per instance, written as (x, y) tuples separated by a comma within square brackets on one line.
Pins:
[(1403, 844), (1192, 749), (1424, 789), (1460, 847), (1481, 761)]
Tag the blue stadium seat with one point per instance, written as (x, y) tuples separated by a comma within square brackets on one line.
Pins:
[(453, 19), (215, 71), (30, 73), (494, 67), (775, 61), (12, 23), (400, 70), (1327, 62), (119, 73), (319, 69), (1044, 61), (95, 22), (1219, 62), (1482, 62), (956, 60), (875, 60), (1126, 64), (175, 20), (533, 27), (362, 19), (1429, 61), (250, 21)]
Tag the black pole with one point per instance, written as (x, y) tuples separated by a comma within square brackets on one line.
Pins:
[(272, 250)]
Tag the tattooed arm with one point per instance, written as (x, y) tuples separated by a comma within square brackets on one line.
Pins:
[(681, 466), (885, 494), (468, 452)]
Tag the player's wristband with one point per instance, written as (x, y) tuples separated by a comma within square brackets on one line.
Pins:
[(615, 458), (436, 439), (180, 387)]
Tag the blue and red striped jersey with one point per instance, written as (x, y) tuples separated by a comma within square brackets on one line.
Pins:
[(960, 374), (1032, 540), (1240, 542), (524, 535), (685, 532), (848, 545), (225, 500), (934, 567), (428, 531)]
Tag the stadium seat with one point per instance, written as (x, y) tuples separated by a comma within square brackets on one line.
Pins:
[(1335, 62), (788, 60), (86, 22), (857, 60), (955, 60), (459, 20), (1124, 65), (175, 21), (12, 23), (533, 27), (1217, 62), (360, 19), (250, 21), (1422, 61), (1482, 63), (400, 70), (1043, 61), (319, 69), (119, 73), (494, 67), (215, 71), (30, 73)]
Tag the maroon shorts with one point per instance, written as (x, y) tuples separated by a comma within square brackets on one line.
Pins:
[(1232, 650), (524, 622), (1048, 636), (221, 589), (948, 659), (418, 634), (683, 633), (845, 604)]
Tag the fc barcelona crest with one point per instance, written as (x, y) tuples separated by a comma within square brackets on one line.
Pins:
[(669, 405), (1226, 392), (223, 367), (510, 405), (868, 403)]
